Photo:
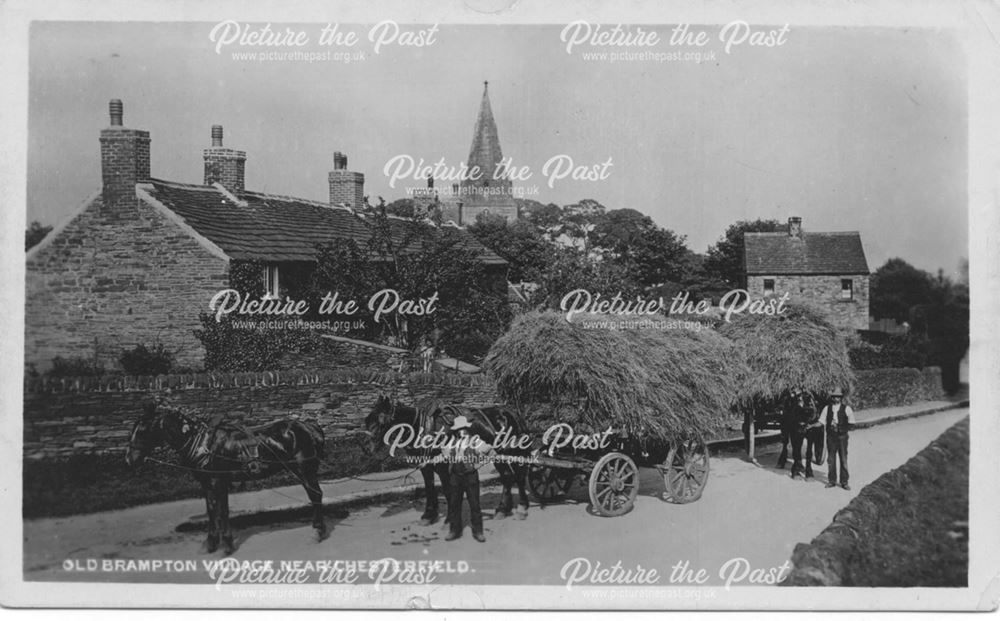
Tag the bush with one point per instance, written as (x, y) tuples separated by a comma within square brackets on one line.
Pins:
[(76, 366), (228, 348), (878, 388), (142, 360)]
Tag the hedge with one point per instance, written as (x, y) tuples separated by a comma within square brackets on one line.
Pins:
[(879, 388), (897, 352)]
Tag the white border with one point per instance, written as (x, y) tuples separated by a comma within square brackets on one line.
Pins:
[(976, 21)]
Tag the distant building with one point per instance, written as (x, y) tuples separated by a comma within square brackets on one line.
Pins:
[(462, 203), (139, 260), (829, 269)]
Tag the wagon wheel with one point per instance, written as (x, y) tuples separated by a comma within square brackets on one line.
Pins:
[(685, 472), (546, 483), (614, 484)]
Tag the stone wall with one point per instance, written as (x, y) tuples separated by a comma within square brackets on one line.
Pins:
[(825, 291), (831, 559), (111, 280), (65, 417)]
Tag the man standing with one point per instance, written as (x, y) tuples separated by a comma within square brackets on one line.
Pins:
[(464, 478), (838, 417)]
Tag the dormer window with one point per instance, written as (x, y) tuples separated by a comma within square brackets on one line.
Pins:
[(271, 286), (768, 286)]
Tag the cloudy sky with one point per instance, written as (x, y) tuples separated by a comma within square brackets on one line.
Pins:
[(848, 128)]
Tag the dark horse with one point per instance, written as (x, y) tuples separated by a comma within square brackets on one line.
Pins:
[(798, 417), (433, 417), (218, 454)]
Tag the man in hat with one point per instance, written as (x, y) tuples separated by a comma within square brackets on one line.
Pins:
[(463, 474), (838, 417)]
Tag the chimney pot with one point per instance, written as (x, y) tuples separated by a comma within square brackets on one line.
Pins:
[(795, 227), (216, 135), (117, 112), (346, 187)]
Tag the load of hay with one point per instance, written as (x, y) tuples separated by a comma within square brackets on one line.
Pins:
[(667, 384), (799, 348)]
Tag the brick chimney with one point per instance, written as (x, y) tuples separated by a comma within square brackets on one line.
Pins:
[(224, 166), (124, 163), (346, 187), (795, 227)]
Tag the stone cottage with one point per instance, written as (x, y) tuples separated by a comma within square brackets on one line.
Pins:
[(826, 268), (138, 261)]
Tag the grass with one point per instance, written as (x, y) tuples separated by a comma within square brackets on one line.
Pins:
[(92, 483), (924, 540)]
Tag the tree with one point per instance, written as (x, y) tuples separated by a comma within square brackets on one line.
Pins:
[(519, 243), (34, 234), (937, 308), (897, 287), (544, 217), (418, 261), (573, 269), (723, 267), (651, 255)]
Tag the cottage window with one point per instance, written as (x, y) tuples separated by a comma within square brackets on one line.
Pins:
[(846, 289), (768, 286), (271, 287)]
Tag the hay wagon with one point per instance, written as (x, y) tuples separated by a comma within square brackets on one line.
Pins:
[(612, 474), (663, 392)]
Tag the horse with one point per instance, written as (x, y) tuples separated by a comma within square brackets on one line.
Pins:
[(221, 453), (798, 414), (433, 417)]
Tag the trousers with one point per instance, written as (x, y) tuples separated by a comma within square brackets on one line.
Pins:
[(464, 484), (836, 448)]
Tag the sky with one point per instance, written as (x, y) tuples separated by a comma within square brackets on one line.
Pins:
[(848, 128)]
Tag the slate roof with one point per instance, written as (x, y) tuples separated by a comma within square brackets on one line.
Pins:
[(810, 253), (265, 227)]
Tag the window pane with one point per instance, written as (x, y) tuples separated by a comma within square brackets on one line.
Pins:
[(847, 289)]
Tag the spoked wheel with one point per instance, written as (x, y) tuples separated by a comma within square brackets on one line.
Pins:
[(685, 472), (614, 484), (549, 483)]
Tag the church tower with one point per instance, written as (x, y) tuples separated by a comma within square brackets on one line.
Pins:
[(486, 193)]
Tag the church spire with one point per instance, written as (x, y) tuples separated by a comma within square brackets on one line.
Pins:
[(485, 152)]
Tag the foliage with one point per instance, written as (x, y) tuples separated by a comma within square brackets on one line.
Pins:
[(896, 287), (232, 348), (648, 382), (898, 351), (723, 268), (545, 218), (797, 349), (878, 388), (76, 366), (572, 269), (936, 307), (34, 234), (650, 254), (418, 261), (142, 360), (520, 244)]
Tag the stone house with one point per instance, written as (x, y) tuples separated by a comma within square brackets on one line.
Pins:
[(826, 268), (138, 261)]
